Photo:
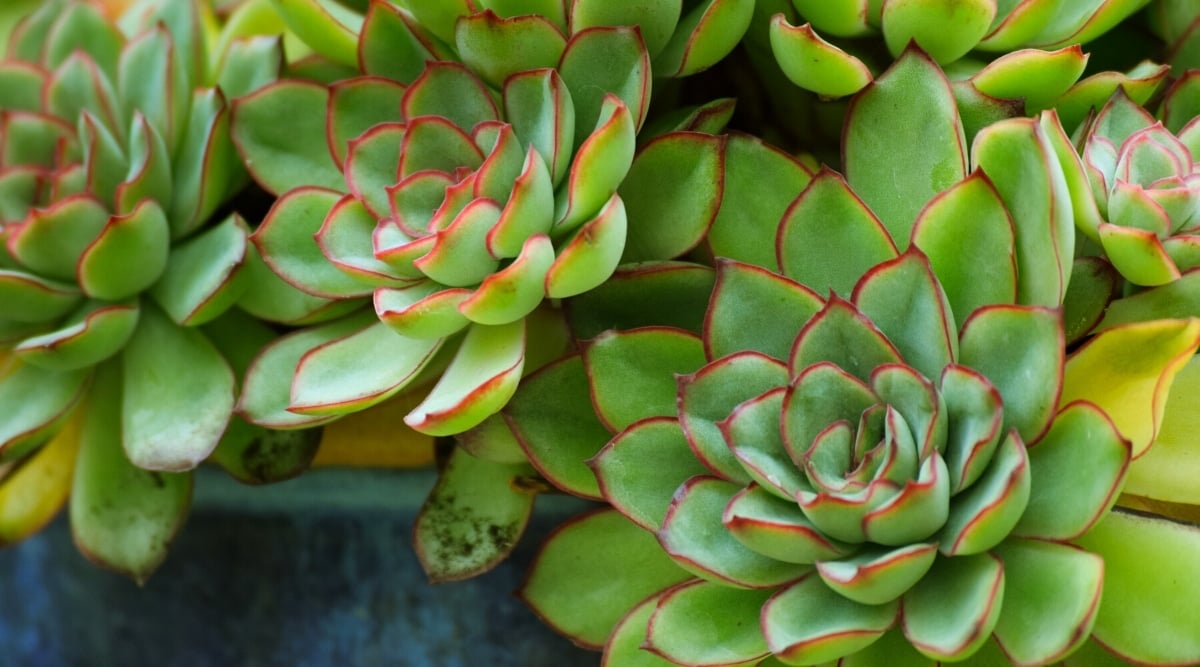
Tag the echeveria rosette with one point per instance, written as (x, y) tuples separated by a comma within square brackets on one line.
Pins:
[(899, 468), (116, 155), (950, 31), (459, 208), (1146, 185)]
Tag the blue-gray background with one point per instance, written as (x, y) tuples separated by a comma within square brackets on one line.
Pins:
[(316, 571)]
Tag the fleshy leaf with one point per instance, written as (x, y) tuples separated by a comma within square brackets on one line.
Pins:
[(327, 27), (754, 309), (496, 47), (967, 235), (693, 534), (121, 516), (105, 271), (1127, 371), (203, 274), (1077, 471), (1051, 594), (478, 382), (592, 571), (813, 63), (778, 528), (605, 61), (878, 124), (280, 132), (640, 469), (552, 417), (1020, 351), (46, 399), (904, 299), (761, 181), (828, 237), (178, 395), (1168, 470), (701, 623), (473, 517), (32, 494), (753, 435), (840, 334), (672, 193), (94, 333), (950, 613), (1018, 157), (624, 646), (632, 373), (357, 371), (983, 515), (1146, 611), (877, 575), (450, 91), (808, 623), (355, 106), (652, 293)]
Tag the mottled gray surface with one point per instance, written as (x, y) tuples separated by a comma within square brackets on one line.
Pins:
[(317, 571)]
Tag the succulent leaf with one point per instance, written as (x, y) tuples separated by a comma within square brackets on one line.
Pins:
[(675, 634), (809, 623)]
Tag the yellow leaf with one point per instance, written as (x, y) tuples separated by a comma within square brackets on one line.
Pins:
[(377, 437), (1127, 371), (35, 490), (1170, 469)]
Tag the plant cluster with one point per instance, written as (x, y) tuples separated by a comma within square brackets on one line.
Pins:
[(869, 324)]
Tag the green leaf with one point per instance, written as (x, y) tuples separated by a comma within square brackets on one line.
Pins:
[(357, 371), (951, 612), (829, 238), (329, 28), (46, 398), (909, 105), (904, 300), (266, 390), (29, 298), (1020, 351), (985, 513), (632, 373), (394, 45), (206, 168), (809, 623), (876, 575), (122, 517), (497, 48), (1167, 470), (178, 395), (280, 131), (203, 276), (705, 35), (968, 237), (542, 114), (514, 291), (105, 270), (1051, 594), (552, 417), (656, 20), (752, 432), (1077, 471), (702, 623), (640, 469), (711, 394), (760, 183), (81, 26), (249, 64), (945, 29), (94, 333), (624, 646), (778, 528), (153, 79), (268, 297), (672, 193), (840, 334), (590, 254), (813, 63), (592, 571), (754, 309), (285, 239), (452, 91), (1149, 591), (473, 517), (1094, 285), (479, 381), (51, 240), (1038, 77), (605, 61), (372, 157), (1018, 157), (601, 163), (355, 106)]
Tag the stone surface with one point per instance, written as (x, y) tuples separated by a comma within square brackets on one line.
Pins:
[(316, 571)]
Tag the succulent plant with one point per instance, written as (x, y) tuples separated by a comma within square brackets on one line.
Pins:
[(1146, 185), (459, 197), (874, 449), (948, 31), (116, 160)]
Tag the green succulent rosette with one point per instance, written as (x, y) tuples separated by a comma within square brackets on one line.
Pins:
[(875, 449), (458, 200), (115, 160), (1146, 184)]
